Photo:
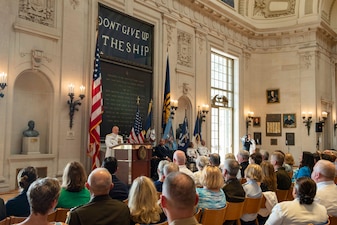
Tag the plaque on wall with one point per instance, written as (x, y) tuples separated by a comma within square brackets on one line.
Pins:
[(273, 125)]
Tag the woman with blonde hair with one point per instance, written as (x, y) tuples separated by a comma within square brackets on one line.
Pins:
[(73, 191), (211, 196), (143, 202)]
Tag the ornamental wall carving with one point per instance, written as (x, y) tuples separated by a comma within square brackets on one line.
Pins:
[(38, 11), (184, 51)]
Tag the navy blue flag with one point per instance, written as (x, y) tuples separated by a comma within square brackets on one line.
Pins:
[(167, 94), (184, 138), (197, 128)]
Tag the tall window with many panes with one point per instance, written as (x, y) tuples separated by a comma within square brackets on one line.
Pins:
[(222, 79)]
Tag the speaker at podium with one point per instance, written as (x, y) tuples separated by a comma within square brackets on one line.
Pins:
[(134, 160)]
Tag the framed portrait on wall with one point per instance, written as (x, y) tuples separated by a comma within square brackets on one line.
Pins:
[(256, 121), (273, 125), (273, 96), (289, 120), (257, 138), (290, 138)]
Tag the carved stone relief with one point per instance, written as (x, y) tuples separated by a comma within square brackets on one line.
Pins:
[(38, 11), (265, 8), (74, 3), (184, 50)]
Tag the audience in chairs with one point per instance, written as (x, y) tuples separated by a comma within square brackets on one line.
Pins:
[(169, 168), (201, 162), (120, 191), (101, 209), (306, 165), (73, 191), (233, 189), (179, 158), (211, 195), (160, 170), (282, 177), (253, 174), (143, 202), (302, 210), (179, 199), (42, 197), (19, 206), (324, 174)]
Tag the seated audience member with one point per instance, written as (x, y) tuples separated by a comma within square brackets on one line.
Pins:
[(306, 165), (19, 206), (253, 174), (120, 190), (160, 170), (101, 209), (230, 156), (302, 210), (256, 158), (211, 195), (282, 177), (214, 159), (179, 199), (268, 182), (243, 157), (265, 155), (42, 197), (233, 189), (201, 162), (73, 191), (324, 174), (143, 202), (160, 152), (2, 209), (202, 149), (169, 168), (179, 158), (287, 167)]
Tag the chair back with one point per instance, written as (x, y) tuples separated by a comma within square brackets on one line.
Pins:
[(16, 219), (281, 195), (234, 211), (5, 221), (290, 196), (197, 215), (243, 180), (61, 215), (52, 216), (333, 220), (252, 205), (213, 216), (263, 202)]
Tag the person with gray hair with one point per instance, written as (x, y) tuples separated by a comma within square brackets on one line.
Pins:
[(179, 199), (324, 174), (101, 209), (233, 189), (243, 157), (160, 170), (265, 155), (201, 162), (169, 168), (179, 158)]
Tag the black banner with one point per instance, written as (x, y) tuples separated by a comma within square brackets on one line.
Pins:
[(124, 38)]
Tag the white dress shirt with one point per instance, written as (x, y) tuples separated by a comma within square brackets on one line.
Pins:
[(184, 169), (326, 195), (292, 212)]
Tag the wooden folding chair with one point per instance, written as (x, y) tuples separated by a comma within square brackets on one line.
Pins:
[(197, 215), (16, 219), (52, 216), (234, 211), (290, 196), (5, 221), (213, 216), (61, 215), (333, 220), (252, 206), (281, 195)]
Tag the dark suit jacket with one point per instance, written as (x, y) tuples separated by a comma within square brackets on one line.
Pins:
[(101, 210), (2, 209), (234, 191), (283, 179), (243, 167), (120, 191)]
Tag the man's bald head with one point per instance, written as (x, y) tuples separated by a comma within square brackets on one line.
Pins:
[(179, 157), (99, 182), (324, 170)]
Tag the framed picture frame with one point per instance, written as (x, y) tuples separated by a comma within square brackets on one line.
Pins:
[(256, 121), (273, 96), (258, 138), (273, 141), (273, 125), (290, 138), (289, 120)]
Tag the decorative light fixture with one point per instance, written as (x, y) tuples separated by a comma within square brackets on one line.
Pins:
[(3, 83), (307, 120), (74, 103), (204, 111), (174, 107), (324, 117), (334, 126), (249, 120)]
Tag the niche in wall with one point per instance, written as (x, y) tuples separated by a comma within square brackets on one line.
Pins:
[(32, 100)]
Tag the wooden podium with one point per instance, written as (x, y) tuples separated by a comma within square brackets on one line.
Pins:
[(134, 160)]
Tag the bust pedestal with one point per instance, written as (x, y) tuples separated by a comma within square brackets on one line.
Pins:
[(30, 145)]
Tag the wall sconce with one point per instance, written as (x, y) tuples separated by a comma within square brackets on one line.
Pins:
[(74, 103), (307, 120), (3, 83), (204, 111), (174, 107), (249, 120), (334, 125), (324, 117)]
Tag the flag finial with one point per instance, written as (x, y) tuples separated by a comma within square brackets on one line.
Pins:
[(138, 100)]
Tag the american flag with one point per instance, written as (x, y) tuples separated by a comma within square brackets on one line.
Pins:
[(136, 135), (96, 112)]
